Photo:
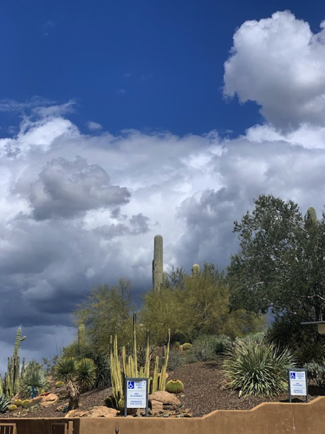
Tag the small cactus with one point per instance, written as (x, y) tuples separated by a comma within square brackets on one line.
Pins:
[(174, 386), (187, 346), (12, 407), (26, 403), (18, 402), (59, 384)]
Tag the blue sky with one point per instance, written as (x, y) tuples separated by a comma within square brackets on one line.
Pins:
[(122, 119), (148, 65)]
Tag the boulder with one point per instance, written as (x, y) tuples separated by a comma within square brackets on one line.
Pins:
[(99, 411), (49, 399), (165, 398), (156, 407)]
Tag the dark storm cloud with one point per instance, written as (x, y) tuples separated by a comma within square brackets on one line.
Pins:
[(68, 188)]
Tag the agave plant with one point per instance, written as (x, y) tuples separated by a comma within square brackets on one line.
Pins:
[(33, 380), (4, 403), (257, 368), (77, 375)]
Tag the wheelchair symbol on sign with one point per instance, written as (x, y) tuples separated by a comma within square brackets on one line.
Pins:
[(130, 384), (292, 375)]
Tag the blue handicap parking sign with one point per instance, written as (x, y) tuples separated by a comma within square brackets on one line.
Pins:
[(130, 384), (293, 375)]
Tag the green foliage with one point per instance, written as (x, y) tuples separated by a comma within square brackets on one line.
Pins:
[(303, 341), (191, 305), (101, 360), (67, 369), (208, 347), (81, 371), (176, 360), (257, 368), (281, 261), (86, 373), (106, 311), (4, 403), (316, 372), (77, 375), (174, 386), (34, 377)]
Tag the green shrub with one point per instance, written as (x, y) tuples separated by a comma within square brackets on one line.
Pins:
[(174, 386), (4, 403), (316, 372), (303, 341), (207, 347), (257, 368), (176, 360)]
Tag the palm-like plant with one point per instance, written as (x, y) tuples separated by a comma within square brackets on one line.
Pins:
[(78, 375), (257, 368)]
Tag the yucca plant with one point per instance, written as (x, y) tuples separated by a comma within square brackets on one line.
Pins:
[(77, 375), (257, 368), (4, 403)]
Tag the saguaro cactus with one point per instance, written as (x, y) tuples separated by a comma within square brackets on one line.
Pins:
[(311, 214), (81, 336), (157, 263)]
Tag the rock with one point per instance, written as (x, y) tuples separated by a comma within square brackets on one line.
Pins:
[(156, 406), (77, 413), (103, 411), (99, 411), (61, 407), (165, 398), (49, 399)]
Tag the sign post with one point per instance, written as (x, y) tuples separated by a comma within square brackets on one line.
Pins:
[(297, 383), (136, 394)]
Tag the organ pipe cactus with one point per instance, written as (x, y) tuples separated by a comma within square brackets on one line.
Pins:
[(126, 365), (10, 383)]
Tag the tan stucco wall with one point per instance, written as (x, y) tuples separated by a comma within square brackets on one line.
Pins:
[(268, 418), (39, 426)]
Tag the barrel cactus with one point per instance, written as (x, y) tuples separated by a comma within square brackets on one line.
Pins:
[(12, 407), (187, 346), (174, 386), (26, 403)]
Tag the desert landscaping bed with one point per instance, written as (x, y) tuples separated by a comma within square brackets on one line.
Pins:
[(205, 391)]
